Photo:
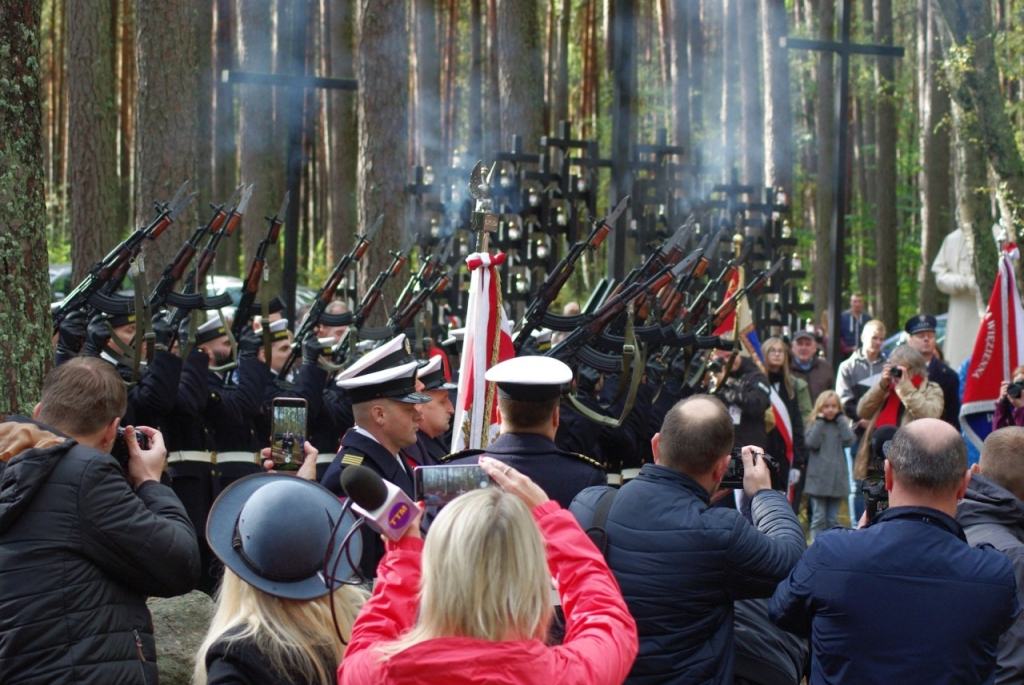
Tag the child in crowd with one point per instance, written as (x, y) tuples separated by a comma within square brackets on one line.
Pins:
[(828, 431)]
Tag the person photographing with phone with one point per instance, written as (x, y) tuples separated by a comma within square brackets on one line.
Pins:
[(902, 394), (473, 604), (1009, 409)]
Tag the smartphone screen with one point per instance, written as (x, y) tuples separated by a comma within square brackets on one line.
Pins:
[(439, 485), (288, 433)]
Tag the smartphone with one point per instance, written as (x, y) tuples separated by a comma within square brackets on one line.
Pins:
[(439, 485), (287, 433)]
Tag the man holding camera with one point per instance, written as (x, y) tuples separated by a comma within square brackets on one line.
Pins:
[(84, 540), (680, 562), (904, 599)]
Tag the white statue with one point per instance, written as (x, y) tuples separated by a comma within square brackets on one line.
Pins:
[(954, 275)]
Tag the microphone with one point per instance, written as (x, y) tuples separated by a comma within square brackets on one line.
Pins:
[(383, 504)]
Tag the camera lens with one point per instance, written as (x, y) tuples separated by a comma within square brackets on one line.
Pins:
[(1014, 390)]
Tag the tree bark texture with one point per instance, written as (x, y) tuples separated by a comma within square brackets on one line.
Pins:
[(476, 67), (753, 105), (383, 66), (681, 85), (94, 190), (888, 305), (165, 152), (26, 348), (778, 115), (561, 100), (263, 159), (934, 178), (731, 97), (224, 148), (205, 80), (428, 85), (343, 134), (520, 73), (825, 119)]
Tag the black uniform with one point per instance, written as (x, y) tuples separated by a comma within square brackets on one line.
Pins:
[(559, 473), (427, 451), (328, 422), (939, 372), (358, 449)]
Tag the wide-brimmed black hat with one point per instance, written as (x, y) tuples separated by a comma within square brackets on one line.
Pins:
[(280, 534)]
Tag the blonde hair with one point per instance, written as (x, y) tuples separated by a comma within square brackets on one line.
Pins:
[(485, 574), (297, 637), (824, 397), (786, 378)]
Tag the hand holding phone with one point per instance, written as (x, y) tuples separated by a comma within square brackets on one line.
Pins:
[(436, 486), (288, 433)]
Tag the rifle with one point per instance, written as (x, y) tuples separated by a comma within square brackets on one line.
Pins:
[(422, 277), (752, 287), (118, 261), (316, 314), (173, 272), (403, 319), (696, 310), (672, 298), (256, 270), (196, 278), (560, 274), (376, 290)]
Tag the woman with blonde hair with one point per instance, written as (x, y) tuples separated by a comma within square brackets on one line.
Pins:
[(279, 538), (472, 604), (786, 438), (902, 394)]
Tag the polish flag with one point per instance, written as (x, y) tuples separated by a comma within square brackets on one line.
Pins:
[(488, 342)]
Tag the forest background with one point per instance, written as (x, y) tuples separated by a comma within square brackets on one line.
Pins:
[(107, 105)]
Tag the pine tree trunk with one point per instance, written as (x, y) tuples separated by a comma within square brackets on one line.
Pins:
[(26, 348), (778, 116), (492, 126), (428, 84), (753, 153), (934, 178), (825, 119), (681, 74), (731, 102), (343, 132), (94, 191), (383, 72), (561, 99), (888, 306), (225, 151), (165, 143), (520, 73), (475, 108)]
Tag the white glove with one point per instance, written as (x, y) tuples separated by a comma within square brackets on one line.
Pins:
[(794, 477)]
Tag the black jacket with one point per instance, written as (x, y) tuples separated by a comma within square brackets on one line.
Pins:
[(79, 553), (681, 565), (240, 662), (746, 391)]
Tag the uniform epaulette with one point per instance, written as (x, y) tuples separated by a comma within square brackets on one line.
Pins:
[(353, 458), (464, 453), (583, 457)]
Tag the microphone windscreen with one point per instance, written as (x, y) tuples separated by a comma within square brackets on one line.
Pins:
[(364, 486), (880, 440)]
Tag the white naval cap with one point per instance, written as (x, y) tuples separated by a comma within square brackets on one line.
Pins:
[(542, 338), (432, 376), (279, 329), (388, 371), (211, 330), (530, 378), (456, 336)]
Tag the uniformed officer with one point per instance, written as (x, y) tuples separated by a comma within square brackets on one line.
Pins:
[(385, 403), (437, 416), (529, 389), (921, 329)]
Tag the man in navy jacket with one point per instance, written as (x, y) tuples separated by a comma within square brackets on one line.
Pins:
[(681, 564), (905, 599)]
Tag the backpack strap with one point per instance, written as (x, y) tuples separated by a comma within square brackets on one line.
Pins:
[(596, 531)]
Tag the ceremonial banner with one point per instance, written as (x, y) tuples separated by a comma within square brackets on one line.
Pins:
[(998, 350), (488, 341), (739, 321)]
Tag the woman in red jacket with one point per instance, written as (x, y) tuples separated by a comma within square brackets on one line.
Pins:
[(472, 604)]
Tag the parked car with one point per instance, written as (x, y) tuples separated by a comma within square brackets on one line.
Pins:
[(899, 338)]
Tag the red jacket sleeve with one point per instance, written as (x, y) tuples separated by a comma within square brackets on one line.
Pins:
[(392, 608), (600, 634)]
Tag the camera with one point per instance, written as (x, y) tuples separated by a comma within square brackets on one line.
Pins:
[(715, 366), (734, 474), (896, 373), (1014, 390), (120, 449), (876, 497)]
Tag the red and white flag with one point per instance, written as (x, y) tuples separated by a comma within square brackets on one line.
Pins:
[(998, 350), (488, 342)]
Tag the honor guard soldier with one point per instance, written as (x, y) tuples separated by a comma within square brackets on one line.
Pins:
[(383, 388), (529, 389), (437, 415), (921, 329)]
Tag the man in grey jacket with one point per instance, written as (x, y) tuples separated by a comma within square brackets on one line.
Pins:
[(992, 512), (680, 563)]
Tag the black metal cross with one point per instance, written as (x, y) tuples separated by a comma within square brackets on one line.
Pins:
[(296, 122), (843, 49)]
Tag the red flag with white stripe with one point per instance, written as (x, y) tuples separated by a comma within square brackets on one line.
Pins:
[(488, 342)]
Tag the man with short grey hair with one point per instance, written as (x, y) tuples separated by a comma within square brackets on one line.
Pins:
[(904, 598)]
